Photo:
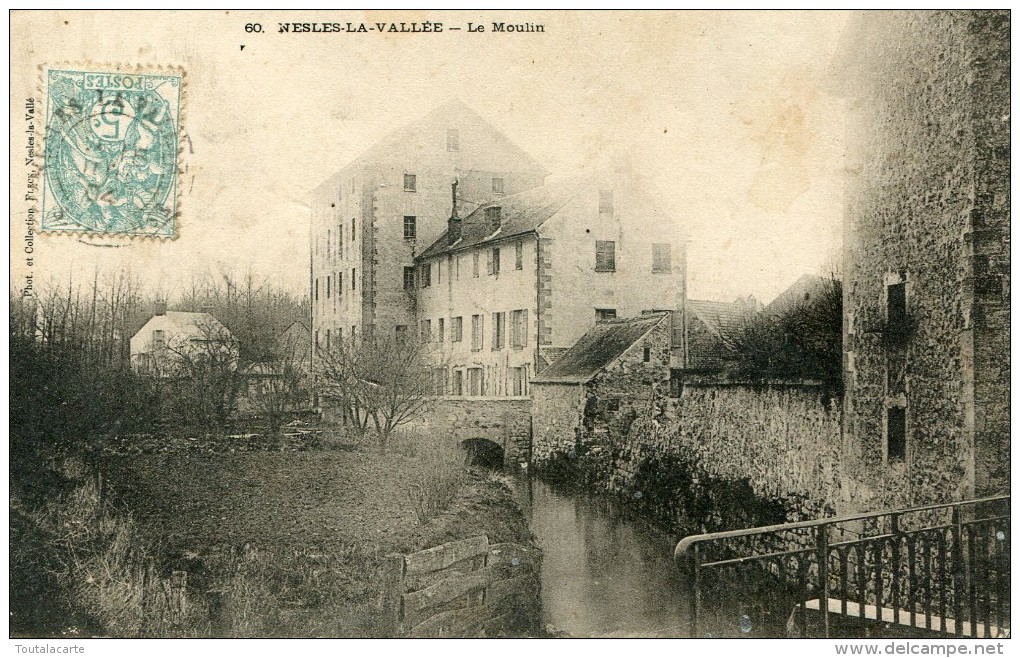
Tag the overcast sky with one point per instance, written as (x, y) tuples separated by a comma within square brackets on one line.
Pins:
[(728, 115)]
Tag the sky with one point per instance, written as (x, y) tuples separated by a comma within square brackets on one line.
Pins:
[(728, 117)]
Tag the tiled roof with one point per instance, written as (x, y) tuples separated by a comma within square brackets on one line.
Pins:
[(709, 349), (595, 350), (520, 213), (805, 289)]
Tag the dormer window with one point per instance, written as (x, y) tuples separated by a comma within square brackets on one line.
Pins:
[(493, 216), (410, 183)]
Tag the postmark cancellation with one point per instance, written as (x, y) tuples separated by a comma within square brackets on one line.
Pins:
[(111, 150)]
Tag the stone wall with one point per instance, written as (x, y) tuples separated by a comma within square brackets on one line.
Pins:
[(927, 205), (506, 422), (722, 455)]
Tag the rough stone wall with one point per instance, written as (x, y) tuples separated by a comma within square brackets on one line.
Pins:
[(784, 439), (557, 410), (927, 205), (990, 240), (504, 422)]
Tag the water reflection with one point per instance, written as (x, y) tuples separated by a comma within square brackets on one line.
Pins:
[(603, 573)]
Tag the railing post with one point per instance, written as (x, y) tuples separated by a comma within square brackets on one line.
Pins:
[(958, 569), (894, 584), (694, 579), (822, 540)]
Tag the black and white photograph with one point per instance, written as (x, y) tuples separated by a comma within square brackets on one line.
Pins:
[(679, 326)]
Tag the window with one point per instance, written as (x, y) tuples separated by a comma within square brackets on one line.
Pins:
[(456, 329), (340, 283), (158, 339), (475, 385), (410, 183), (410, 227), (316, 289), (439, 271), (353, 220), (497, 186), (316, 337), (605, 202), (493, 264), (409, 277), (401, 333), (426, 275), (646, 356), (519, 328), (329, 280), (605, 256), (339, 334), (441, 329), (452, 140), (896, 313), (476, 332), (327, 339), (896, 432), (458, 382), (498, 330), (519, 381), (519, 255), (662, 258), (474, 264), (426, 331), (602, 314), (354, 332), (354, 278), (340, 240)]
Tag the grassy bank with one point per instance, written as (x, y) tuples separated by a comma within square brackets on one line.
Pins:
[(273, 544)]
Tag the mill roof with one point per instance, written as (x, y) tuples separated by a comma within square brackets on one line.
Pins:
[(598, 348), (520, 213)]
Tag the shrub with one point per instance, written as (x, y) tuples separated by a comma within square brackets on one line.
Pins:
[(803, 342), (439, 471)]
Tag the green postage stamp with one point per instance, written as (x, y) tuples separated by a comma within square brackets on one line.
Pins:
[(111, 150)]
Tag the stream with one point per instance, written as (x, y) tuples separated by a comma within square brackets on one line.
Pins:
[(604, 573)]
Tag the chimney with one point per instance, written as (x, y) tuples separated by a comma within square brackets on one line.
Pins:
[(159, 308), (454, 224)]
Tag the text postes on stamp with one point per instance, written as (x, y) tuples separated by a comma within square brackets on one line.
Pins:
[(111, 152)]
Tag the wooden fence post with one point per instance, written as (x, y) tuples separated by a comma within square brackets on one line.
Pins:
[(393, 583), (178, 596)]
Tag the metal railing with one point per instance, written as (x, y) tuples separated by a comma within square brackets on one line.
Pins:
[(923, 571)]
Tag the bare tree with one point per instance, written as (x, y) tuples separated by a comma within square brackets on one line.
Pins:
[(206, 362), (385, 382), (277, 385)]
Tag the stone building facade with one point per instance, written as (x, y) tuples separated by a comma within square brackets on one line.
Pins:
[(371, 218), (927, 237), (513, 284)]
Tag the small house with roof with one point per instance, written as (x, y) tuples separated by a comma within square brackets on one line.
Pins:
[(171, 340), (509, 287), (617, 371)]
